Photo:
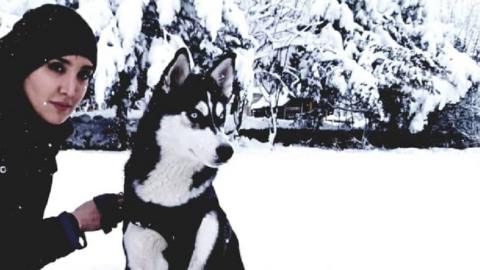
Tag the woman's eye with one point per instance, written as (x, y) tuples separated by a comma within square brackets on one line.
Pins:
[(85, 75), (57, 67)]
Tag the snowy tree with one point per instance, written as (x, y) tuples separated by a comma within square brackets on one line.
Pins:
[(463, 18), (210, 31), (207, 30), (279, 28), (388, 60), (460, 120)]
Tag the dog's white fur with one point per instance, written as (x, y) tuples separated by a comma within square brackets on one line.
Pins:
[(204, 241), (144, 245)]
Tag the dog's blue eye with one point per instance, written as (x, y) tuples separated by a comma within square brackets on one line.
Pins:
[(194, 115)]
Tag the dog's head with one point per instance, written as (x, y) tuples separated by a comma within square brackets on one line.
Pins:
[(195, 111)]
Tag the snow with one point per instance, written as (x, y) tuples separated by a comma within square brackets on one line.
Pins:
[(244, 62), (37, 3), (382, 6), (266, 99), (111, 63), (307, 208), (167, 10), (6, 22), (210, 12), (236, 16), (129, 16), (12, 10), (110, 113), (337, 80), (456, 69), (462, 71), (262, 123), (159, 56), (385, 37), (118, 29), (98, 14), (321, 7), (333, 11), (346, 17), (14, 7), (331, 39)]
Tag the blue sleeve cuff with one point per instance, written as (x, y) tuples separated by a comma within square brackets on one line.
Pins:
[(75, 237)]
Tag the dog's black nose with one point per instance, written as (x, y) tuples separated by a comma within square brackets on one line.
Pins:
[(224, 152)]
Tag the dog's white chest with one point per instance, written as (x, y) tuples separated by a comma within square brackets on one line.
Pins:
[(170, 183)]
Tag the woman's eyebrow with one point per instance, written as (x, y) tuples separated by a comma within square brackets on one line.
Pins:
[(67, 62), (63, 60)]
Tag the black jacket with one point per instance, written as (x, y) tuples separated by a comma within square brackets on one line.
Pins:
[(28, 147)]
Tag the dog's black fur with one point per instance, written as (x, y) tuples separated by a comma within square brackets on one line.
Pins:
[(179, 224)]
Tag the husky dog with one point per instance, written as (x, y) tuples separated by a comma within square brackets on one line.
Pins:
[(173, 219)]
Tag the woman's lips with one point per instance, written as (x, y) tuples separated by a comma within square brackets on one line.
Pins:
[(61, 106)]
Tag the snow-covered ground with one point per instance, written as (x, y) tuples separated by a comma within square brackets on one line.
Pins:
[(304, 208)]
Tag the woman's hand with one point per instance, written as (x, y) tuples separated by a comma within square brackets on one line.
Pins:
[(88, 216), (103, 212)]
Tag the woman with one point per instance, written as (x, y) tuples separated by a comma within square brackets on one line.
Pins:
[(46, 63)]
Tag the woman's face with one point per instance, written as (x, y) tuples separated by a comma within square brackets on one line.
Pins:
[(56, 88)]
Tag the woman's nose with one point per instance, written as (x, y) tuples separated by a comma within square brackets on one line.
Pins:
[(69, 86)]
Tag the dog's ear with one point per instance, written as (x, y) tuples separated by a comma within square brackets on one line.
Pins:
[(223, 74), (176, 72)]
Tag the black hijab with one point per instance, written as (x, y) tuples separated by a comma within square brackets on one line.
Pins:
[(42, 34)]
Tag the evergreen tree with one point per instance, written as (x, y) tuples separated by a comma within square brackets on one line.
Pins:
[(385, 62)]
